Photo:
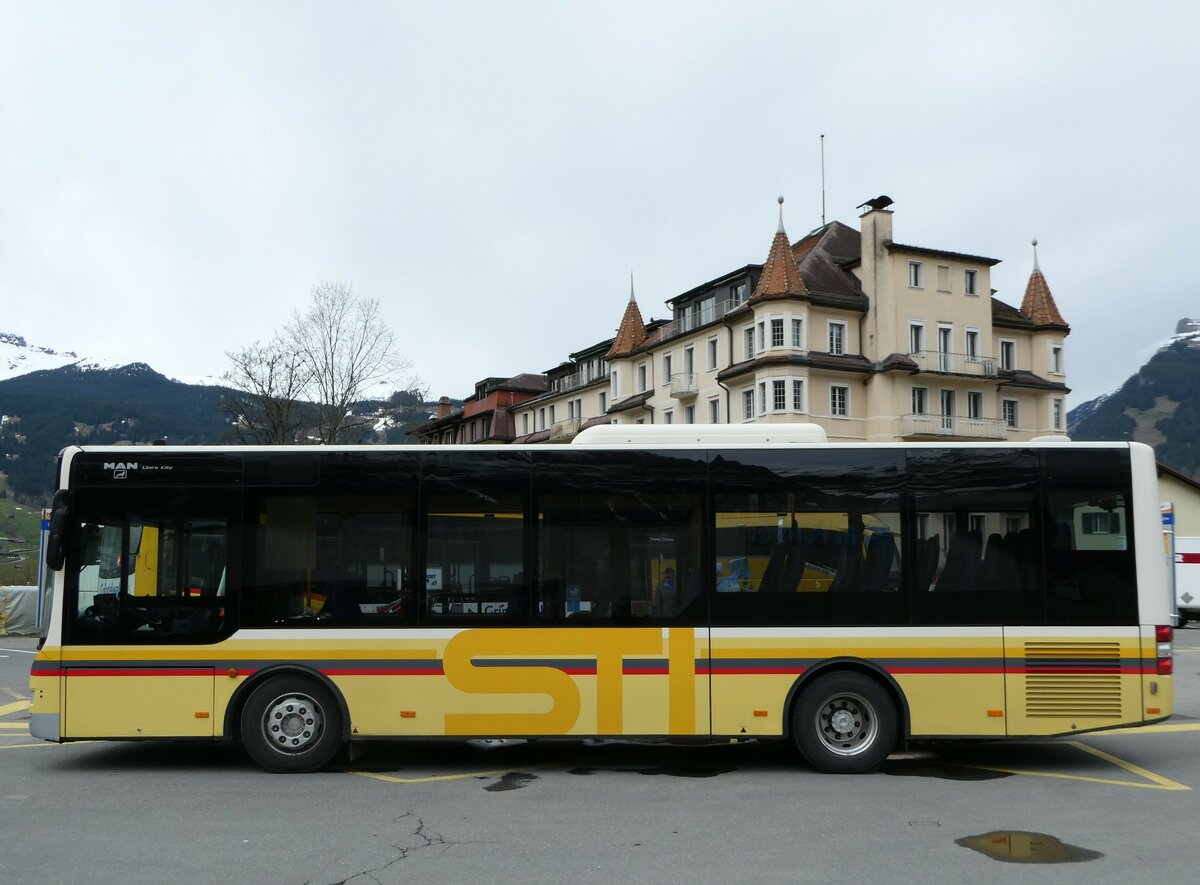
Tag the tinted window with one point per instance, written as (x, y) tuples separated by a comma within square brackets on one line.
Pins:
[(338, 554), (807, 537), (149, 567), (475, 513), (975, 549), (619, 537), (1089, 565)]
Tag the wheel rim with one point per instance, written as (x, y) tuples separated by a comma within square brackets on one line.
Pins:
[(847, 724), (293, 723)]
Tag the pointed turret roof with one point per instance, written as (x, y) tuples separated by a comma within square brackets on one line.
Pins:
[(632, 331), (781, 275), (1039, 304)]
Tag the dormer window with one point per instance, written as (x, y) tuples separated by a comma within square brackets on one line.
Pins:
[(914, 275)]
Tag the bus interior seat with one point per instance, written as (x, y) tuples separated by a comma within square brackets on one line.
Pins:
[(927, 561), (881, 553)]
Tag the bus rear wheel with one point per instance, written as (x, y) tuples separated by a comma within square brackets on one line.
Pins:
[(291, 723), (845, 723)]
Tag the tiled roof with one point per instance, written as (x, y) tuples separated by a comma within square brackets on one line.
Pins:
[(1038, 303), (781, 276), (815, 360), (630, 334)]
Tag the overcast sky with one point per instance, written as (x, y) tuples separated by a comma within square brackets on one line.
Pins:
[(174, 177)]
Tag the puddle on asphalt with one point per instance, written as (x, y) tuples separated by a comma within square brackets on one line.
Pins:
[(513, 780), (668, 770), (927, 768), (1019, 846)]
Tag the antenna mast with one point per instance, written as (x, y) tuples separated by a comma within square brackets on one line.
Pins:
[(822, 180)]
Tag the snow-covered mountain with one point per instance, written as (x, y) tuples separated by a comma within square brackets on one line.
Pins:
[(19, 357)]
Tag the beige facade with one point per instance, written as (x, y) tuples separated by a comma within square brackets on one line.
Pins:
[(868, 338)]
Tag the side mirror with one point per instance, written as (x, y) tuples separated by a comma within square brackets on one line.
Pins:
[(57, 539)]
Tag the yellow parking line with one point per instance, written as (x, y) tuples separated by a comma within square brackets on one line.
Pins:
[(1163, 782), (1153, 781), (5, 709), (451, 777)]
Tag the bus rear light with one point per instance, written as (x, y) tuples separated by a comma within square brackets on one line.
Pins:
[(1165, 667), (1164, 634)]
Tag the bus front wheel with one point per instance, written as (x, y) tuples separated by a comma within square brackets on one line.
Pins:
[(845, 723), (291, 723)]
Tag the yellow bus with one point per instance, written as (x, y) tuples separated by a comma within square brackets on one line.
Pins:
[(707, 583)]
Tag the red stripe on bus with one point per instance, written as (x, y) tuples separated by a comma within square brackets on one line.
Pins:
[(1193, 558)]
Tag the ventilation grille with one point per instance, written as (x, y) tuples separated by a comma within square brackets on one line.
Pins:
[(1073, 680)]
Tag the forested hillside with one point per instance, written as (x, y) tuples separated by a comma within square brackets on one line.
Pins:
[(1160, 405), (42, 412)]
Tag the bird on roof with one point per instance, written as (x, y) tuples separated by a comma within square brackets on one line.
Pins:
[(880, 202)]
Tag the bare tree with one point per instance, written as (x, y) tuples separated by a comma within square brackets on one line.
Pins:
[(267, 382), (346, 349)]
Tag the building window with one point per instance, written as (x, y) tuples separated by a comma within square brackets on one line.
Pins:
[(552, 414), (666, 368), (1008, 410), (839, 400), (689, 414), (798, 396), (748, 337), (689, 360), (739, 293), (570, 409), (642, 378), (945, 336), (762, 397), (525, 423), (919, 400), (1008, 355), (943, 277), (714, 411), (969, 278), (837, 338), (712, 354), (668, 417), (603, 402), (541, 419), (762, 338), (974, 404), (914, 274), (1057, 414), (1056, 359), (777, 333), (616, 384), (798, 334), (916, 337), (779, 395), (972, 343), (748, 403)]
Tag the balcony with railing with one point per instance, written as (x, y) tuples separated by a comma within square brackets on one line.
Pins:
[(943, 426), (943, 362), (564, 429), (685, 385), (579, 379), (692, 320)]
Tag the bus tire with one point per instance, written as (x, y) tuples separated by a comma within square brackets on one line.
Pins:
[(845, 723), (291, 723)]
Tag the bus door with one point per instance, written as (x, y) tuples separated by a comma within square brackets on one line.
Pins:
[(145, 594), (1083, 669)]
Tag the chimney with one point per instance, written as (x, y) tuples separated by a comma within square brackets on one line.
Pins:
[(876, 282), (443, 407)]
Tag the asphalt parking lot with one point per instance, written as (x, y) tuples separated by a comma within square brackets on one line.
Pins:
[(1099, 808)]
